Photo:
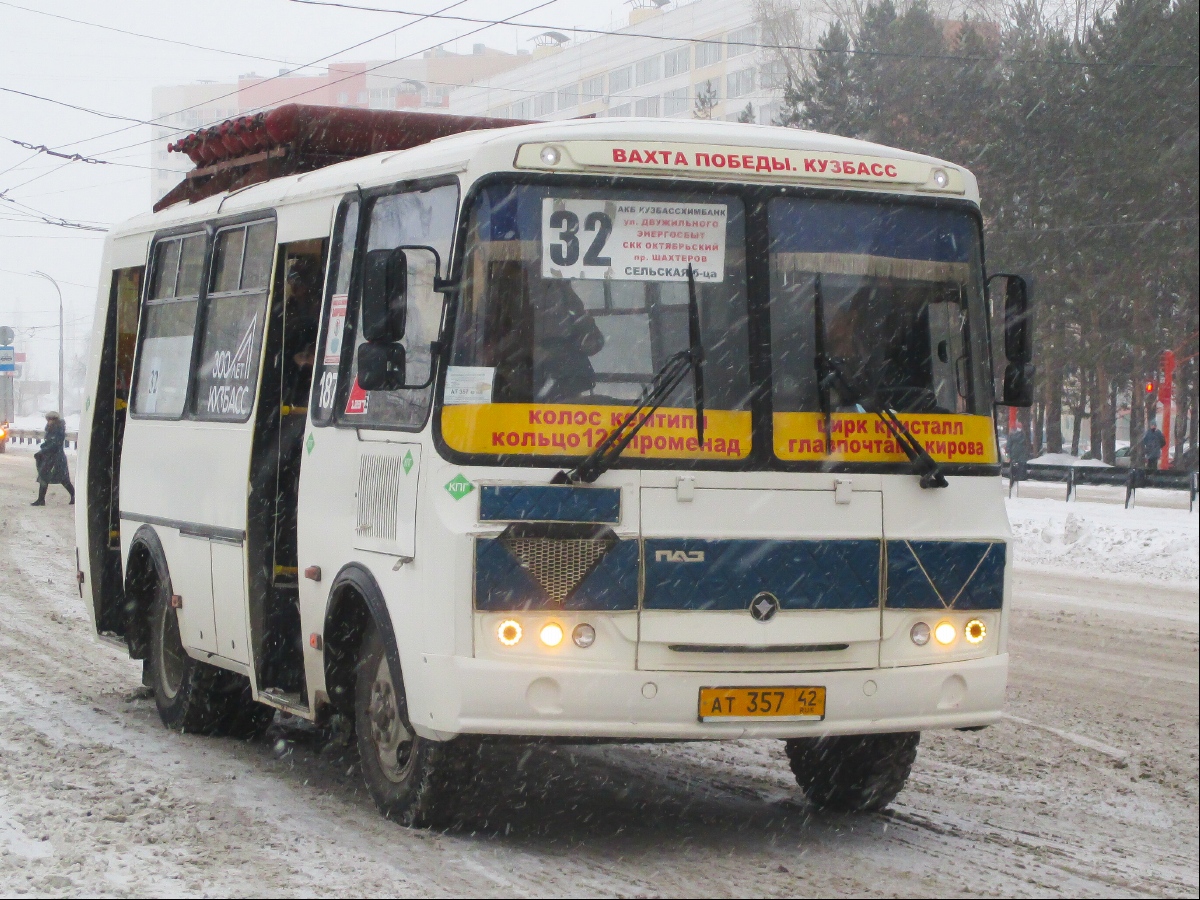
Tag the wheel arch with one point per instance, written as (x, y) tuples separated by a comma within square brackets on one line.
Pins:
[(145, 571), (355, 600)]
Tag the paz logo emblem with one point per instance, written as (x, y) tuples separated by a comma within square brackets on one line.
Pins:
[(407, 462), (764, 606), (459, 487)]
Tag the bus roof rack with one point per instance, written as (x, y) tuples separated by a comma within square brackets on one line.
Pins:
[(298, 138)]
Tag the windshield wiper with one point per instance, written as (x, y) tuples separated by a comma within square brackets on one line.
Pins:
[(829, 374), (601, 459)]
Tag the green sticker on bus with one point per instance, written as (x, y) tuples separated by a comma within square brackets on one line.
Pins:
[(310, 443), (407, 462), (459, 487)]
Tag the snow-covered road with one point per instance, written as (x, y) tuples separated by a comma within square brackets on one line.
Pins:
[(1088, 787)]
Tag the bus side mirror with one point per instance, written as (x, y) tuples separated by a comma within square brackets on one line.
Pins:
[(1018, 384), (381, 367), (1018, 337), (384, 296)]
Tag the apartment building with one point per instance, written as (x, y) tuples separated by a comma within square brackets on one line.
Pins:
[(660, 64)]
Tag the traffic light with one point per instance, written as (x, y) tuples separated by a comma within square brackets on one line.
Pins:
[(1149, 388)]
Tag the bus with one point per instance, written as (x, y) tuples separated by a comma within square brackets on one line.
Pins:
[(618, 430)]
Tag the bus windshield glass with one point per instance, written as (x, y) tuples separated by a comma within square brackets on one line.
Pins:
[(893, 294), (573, 298)]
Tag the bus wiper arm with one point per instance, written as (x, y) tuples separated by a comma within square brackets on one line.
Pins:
[(923, 464), (829, 373), (608, 450)]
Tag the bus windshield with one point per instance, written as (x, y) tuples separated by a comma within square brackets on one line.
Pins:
[(899, 290), (573, 298)]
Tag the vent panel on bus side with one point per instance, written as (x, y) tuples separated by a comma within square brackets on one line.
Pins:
[(386, 507)]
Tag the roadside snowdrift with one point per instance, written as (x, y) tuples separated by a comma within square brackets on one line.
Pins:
[(1101, 539)]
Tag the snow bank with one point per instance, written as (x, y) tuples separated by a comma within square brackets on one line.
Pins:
[(1145, 544), (1066, 459)]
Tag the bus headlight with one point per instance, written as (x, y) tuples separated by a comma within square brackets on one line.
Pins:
[(975, 631), (919, 634), (584, 636), (551, 634), (944, 634), (509, 632)]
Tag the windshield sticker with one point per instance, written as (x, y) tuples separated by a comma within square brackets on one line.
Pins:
[(862, 437), (337, 326), (356, 403), (633, 240), (575, 430), (469, 384)]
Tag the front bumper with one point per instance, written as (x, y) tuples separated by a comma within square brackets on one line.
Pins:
[(451, 695)]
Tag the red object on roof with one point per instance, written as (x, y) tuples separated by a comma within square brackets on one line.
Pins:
[(297, 138)]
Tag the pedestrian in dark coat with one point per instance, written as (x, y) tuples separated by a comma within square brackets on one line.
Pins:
[(1018, 453), (1152, 446), (52, 459)]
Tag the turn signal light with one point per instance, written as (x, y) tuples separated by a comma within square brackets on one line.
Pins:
[(584, 636), (944, 633), (509, 632), (919, 634), (975, 631)]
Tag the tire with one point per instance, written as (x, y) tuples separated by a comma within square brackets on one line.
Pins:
[(189, 694), (854, 773), (411, 779)]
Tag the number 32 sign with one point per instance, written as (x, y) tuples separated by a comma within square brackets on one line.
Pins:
[(632, 240)]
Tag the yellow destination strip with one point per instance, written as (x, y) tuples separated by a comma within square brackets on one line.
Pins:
[(574, 430), (862, 437)]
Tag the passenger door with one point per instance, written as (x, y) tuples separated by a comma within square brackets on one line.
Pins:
[(761, 577)]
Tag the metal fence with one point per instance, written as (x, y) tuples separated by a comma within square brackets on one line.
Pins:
[(1072, 477), (35, 436)]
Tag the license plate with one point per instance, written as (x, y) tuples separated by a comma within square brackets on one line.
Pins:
[(792, 703)]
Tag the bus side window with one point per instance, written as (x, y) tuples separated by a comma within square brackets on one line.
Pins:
[(168, 327), (234, 312), (329, 351)]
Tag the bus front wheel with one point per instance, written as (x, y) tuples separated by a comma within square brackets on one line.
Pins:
[(411, 779), (853, 773)]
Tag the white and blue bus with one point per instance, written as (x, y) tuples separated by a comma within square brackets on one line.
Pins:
[(618, 429)]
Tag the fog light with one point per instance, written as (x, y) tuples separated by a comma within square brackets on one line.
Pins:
[(509, 632), (919, 634), (944, 633), (551, 156), (940, 178), (584, 636), (975, 631), (551, 634)]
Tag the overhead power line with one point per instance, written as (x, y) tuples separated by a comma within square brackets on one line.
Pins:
[(624, 32), (489, 23), (138, 34)]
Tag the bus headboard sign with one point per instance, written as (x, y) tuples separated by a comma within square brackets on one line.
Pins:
[(633, 241), (740, 163)]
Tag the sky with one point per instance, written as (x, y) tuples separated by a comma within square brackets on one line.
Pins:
[(111, 73)]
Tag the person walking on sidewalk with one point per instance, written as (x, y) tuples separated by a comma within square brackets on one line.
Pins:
[(52, 459), (1019, 452), (1152, 446)]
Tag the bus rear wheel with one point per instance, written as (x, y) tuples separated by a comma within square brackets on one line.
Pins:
[(411, 779), (853, 773), (188, 693)]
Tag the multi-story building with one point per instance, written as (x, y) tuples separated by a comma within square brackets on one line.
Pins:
[(421, 83), (700, 58)]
